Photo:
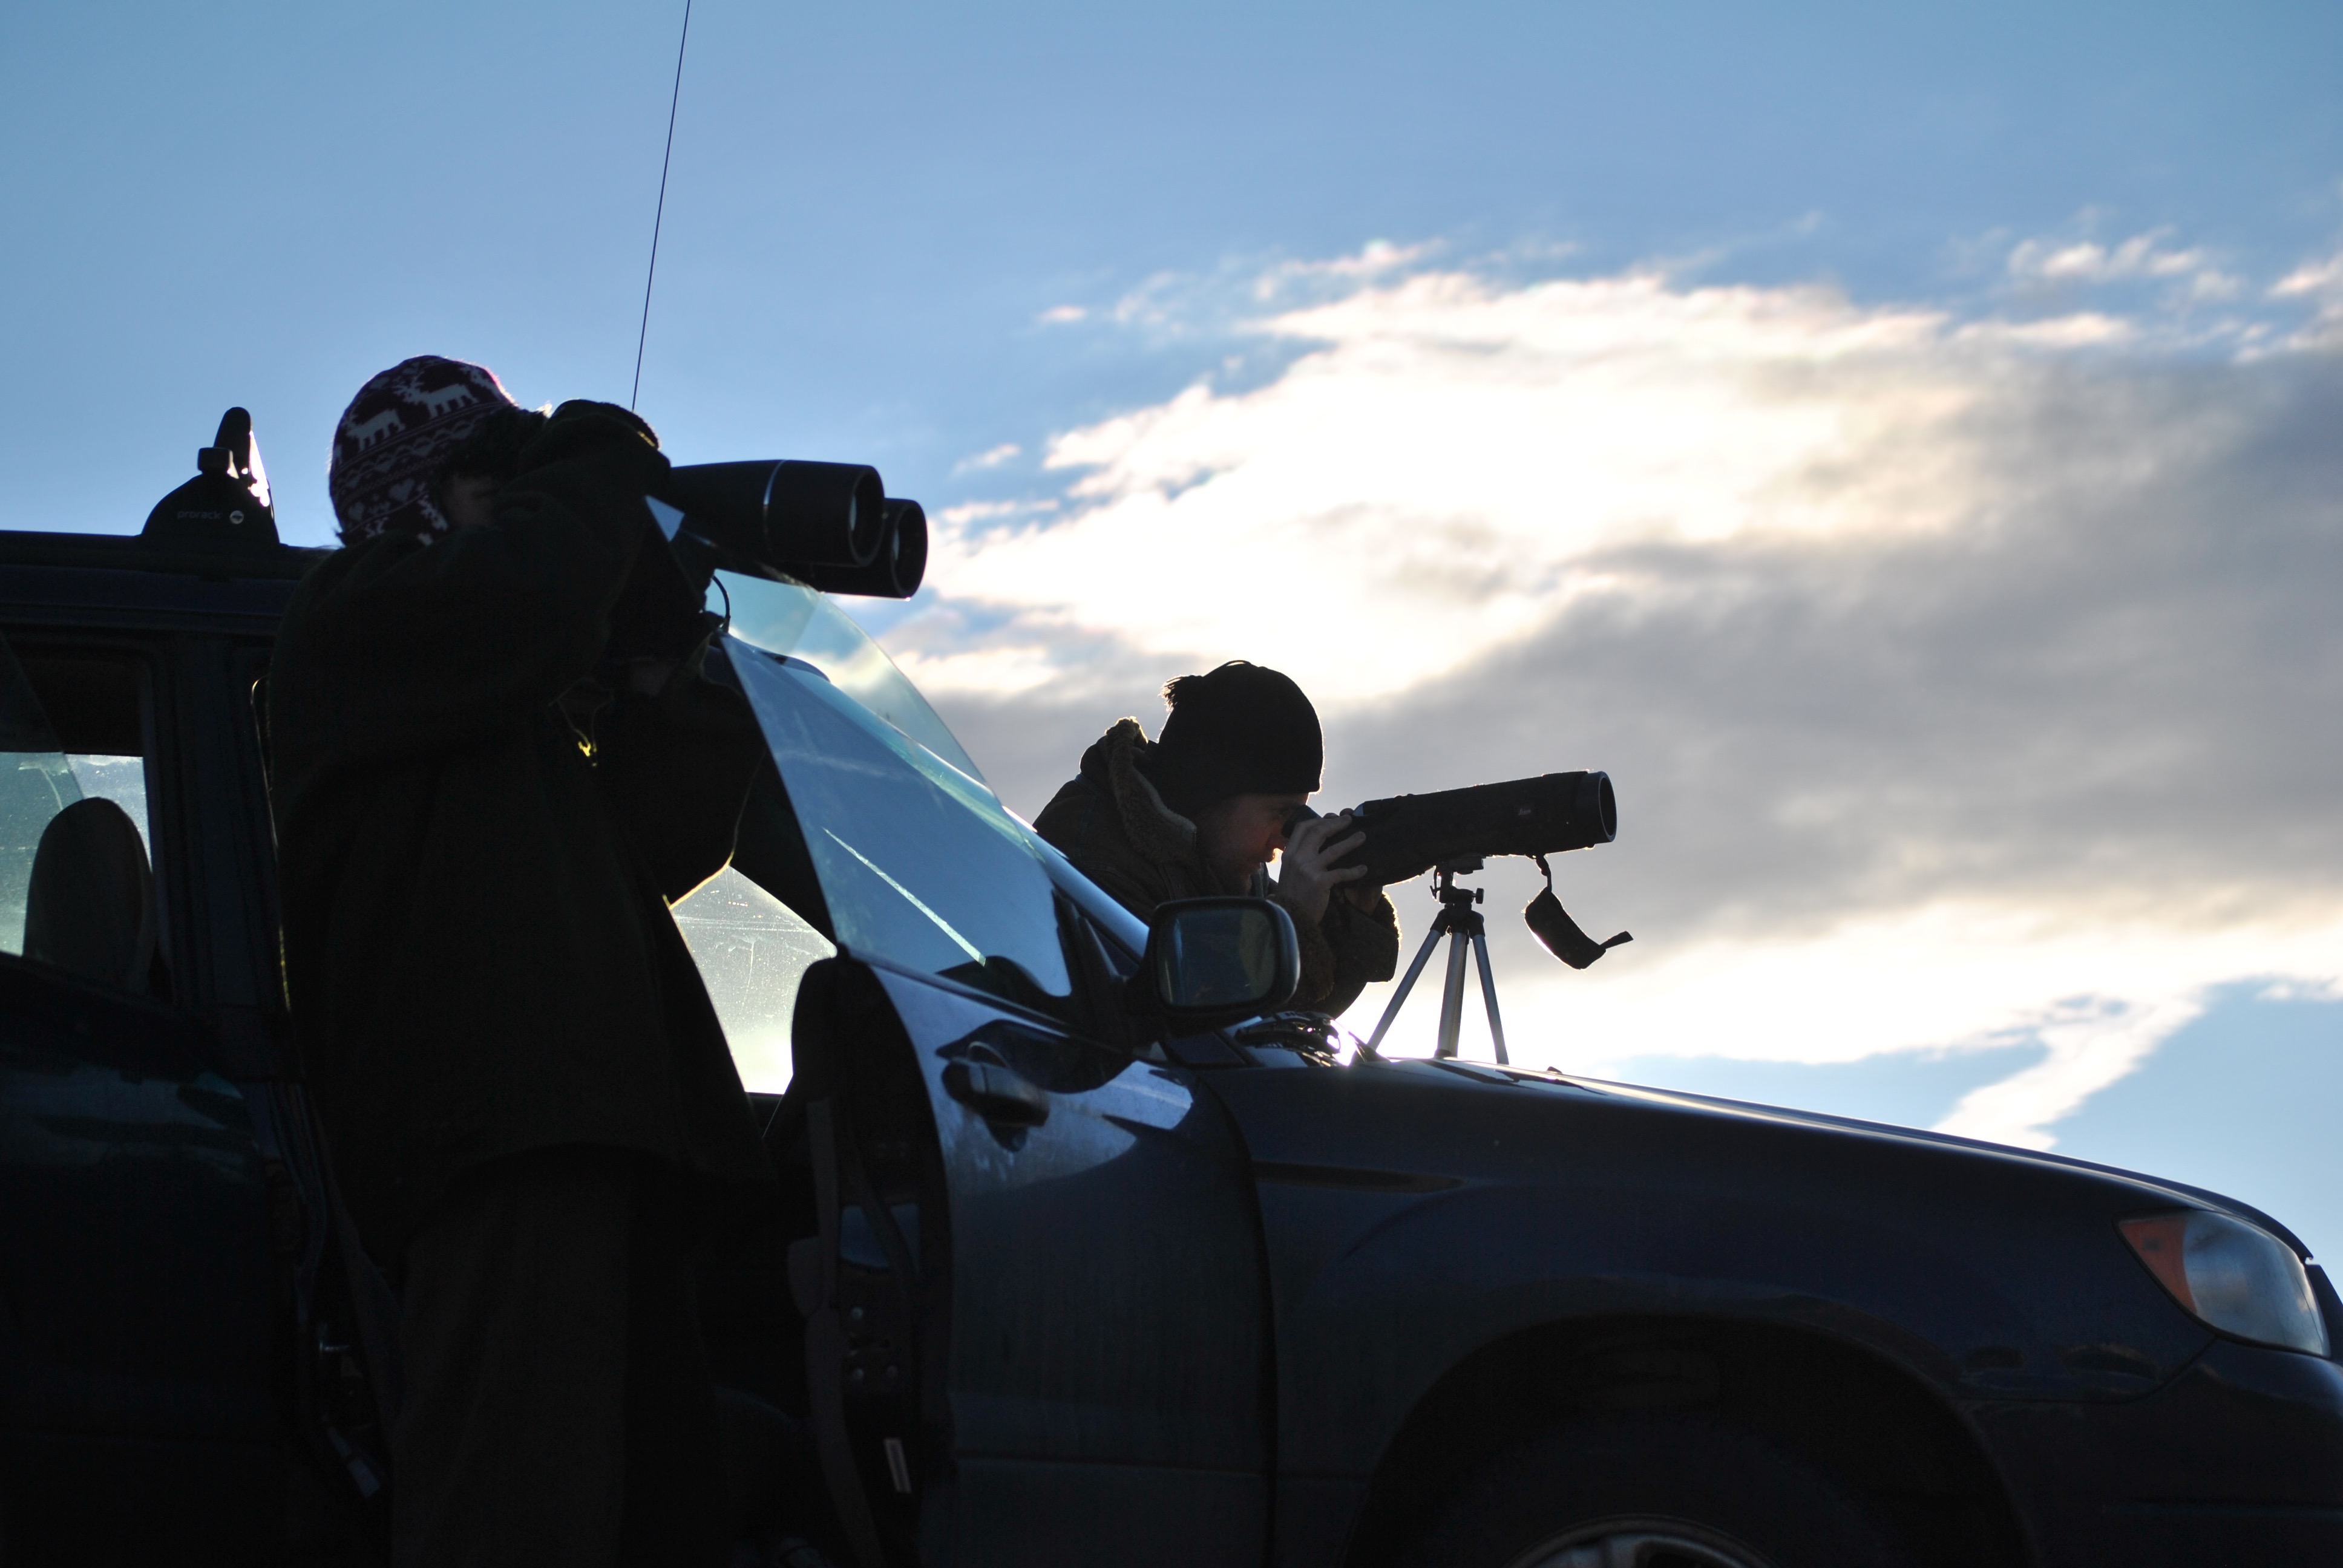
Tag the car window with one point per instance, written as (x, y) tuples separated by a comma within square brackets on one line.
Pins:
[(920, 864), (752, 951), (76, 881)]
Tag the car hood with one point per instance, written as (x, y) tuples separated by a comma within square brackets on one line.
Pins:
[(1424, 1125), (1980, 1148)]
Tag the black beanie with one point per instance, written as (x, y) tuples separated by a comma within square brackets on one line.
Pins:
[(1242, 729)]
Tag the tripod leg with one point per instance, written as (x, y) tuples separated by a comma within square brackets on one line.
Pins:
[(1489, 994), (1451, 999), (1390, 1009)]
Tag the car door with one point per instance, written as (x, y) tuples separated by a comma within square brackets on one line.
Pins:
[(140, 1274), (1058, 1230)]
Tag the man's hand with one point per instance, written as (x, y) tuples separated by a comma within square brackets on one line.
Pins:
[(1307, 876)]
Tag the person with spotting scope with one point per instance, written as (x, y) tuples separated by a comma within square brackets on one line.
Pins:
[(1203, 809), (485, 804)]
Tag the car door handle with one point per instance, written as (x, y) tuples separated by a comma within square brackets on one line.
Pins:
[(996, 1093)]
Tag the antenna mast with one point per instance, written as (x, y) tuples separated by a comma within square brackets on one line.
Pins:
[(643, 336)]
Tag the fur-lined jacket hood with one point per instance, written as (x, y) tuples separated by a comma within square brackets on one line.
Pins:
[(1113, 824)]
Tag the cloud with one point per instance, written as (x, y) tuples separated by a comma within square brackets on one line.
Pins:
[(1449, 459), (2316, 279), (2098, 994), (2081, 329), (1966, 682), (993, 459), (2086, 261), (1376, 258), (2320, 284), (969, 513), (2052, 264)]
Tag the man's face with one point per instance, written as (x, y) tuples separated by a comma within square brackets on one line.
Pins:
[(1238, 836), (470, 500)]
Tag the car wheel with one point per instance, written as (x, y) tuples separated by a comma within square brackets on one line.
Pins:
[(1661, 1492)]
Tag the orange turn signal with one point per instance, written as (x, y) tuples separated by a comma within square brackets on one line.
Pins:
[(2161, 1241)]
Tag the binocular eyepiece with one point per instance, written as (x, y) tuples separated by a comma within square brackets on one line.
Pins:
[(830, 526)]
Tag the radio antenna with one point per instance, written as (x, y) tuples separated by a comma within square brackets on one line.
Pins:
[(675, 99)]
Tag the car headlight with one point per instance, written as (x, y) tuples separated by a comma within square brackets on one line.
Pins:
[(2231, 1276)]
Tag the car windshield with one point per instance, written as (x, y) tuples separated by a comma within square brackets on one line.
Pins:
[(789, 617), (918, 863)]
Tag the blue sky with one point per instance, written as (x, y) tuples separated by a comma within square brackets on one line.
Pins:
[(869, 209), (1895, 440)]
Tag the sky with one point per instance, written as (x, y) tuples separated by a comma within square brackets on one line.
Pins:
[(1899, 444)]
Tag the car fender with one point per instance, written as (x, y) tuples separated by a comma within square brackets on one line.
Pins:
[(1413, 1217)]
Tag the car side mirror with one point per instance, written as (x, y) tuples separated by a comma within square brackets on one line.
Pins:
[(1211, 961)]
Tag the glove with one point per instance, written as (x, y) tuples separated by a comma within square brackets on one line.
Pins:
[(579, 428)]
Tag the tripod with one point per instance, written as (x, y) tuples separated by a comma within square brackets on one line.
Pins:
[(1459, 922)]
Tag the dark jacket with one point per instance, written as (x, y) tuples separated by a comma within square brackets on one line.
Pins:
[(1110, 822), (476, 940)]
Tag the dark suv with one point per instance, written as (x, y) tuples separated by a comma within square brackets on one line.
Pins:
[(1053, 1282)]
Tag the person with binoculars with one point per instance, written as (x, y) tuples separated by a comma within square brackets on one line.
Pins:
[(486, 798), (1203, 809)]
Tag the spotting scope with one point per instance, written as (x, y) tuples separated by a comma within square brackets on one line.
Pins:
[(1408, 835)]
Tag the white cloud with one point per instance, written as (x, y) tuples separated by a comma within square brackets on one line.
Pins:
[(993, 459), (1007, 670), (1960, 676), (2320, 283), (2098, 995), (2194, 278), (1376, 258), (1438, 466), (2314, 278), (1062, 315), (969, 513), (2086, 261), (2083, 329), (2213, 284)]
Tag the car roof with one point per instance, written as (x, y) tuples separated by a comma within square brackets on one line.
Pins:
[(116, 579)]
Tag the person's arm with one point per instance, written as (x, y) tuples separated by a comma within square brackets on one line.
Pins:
[(677, 764), (426, 646), (1317, 977), (1361, 933)]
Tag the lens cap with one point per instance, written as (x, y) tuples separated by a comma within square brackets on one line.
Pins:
[(1552, 925)]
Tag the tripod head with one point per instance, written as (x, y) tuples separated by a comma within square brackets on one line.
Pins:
[(1452, 897)]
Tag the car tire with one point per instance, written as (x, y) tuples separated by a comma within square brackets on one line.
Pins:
[(1664, 1492)]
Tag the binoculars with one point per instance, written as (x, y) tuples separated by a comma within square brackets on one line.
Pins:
[(830, 526)]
